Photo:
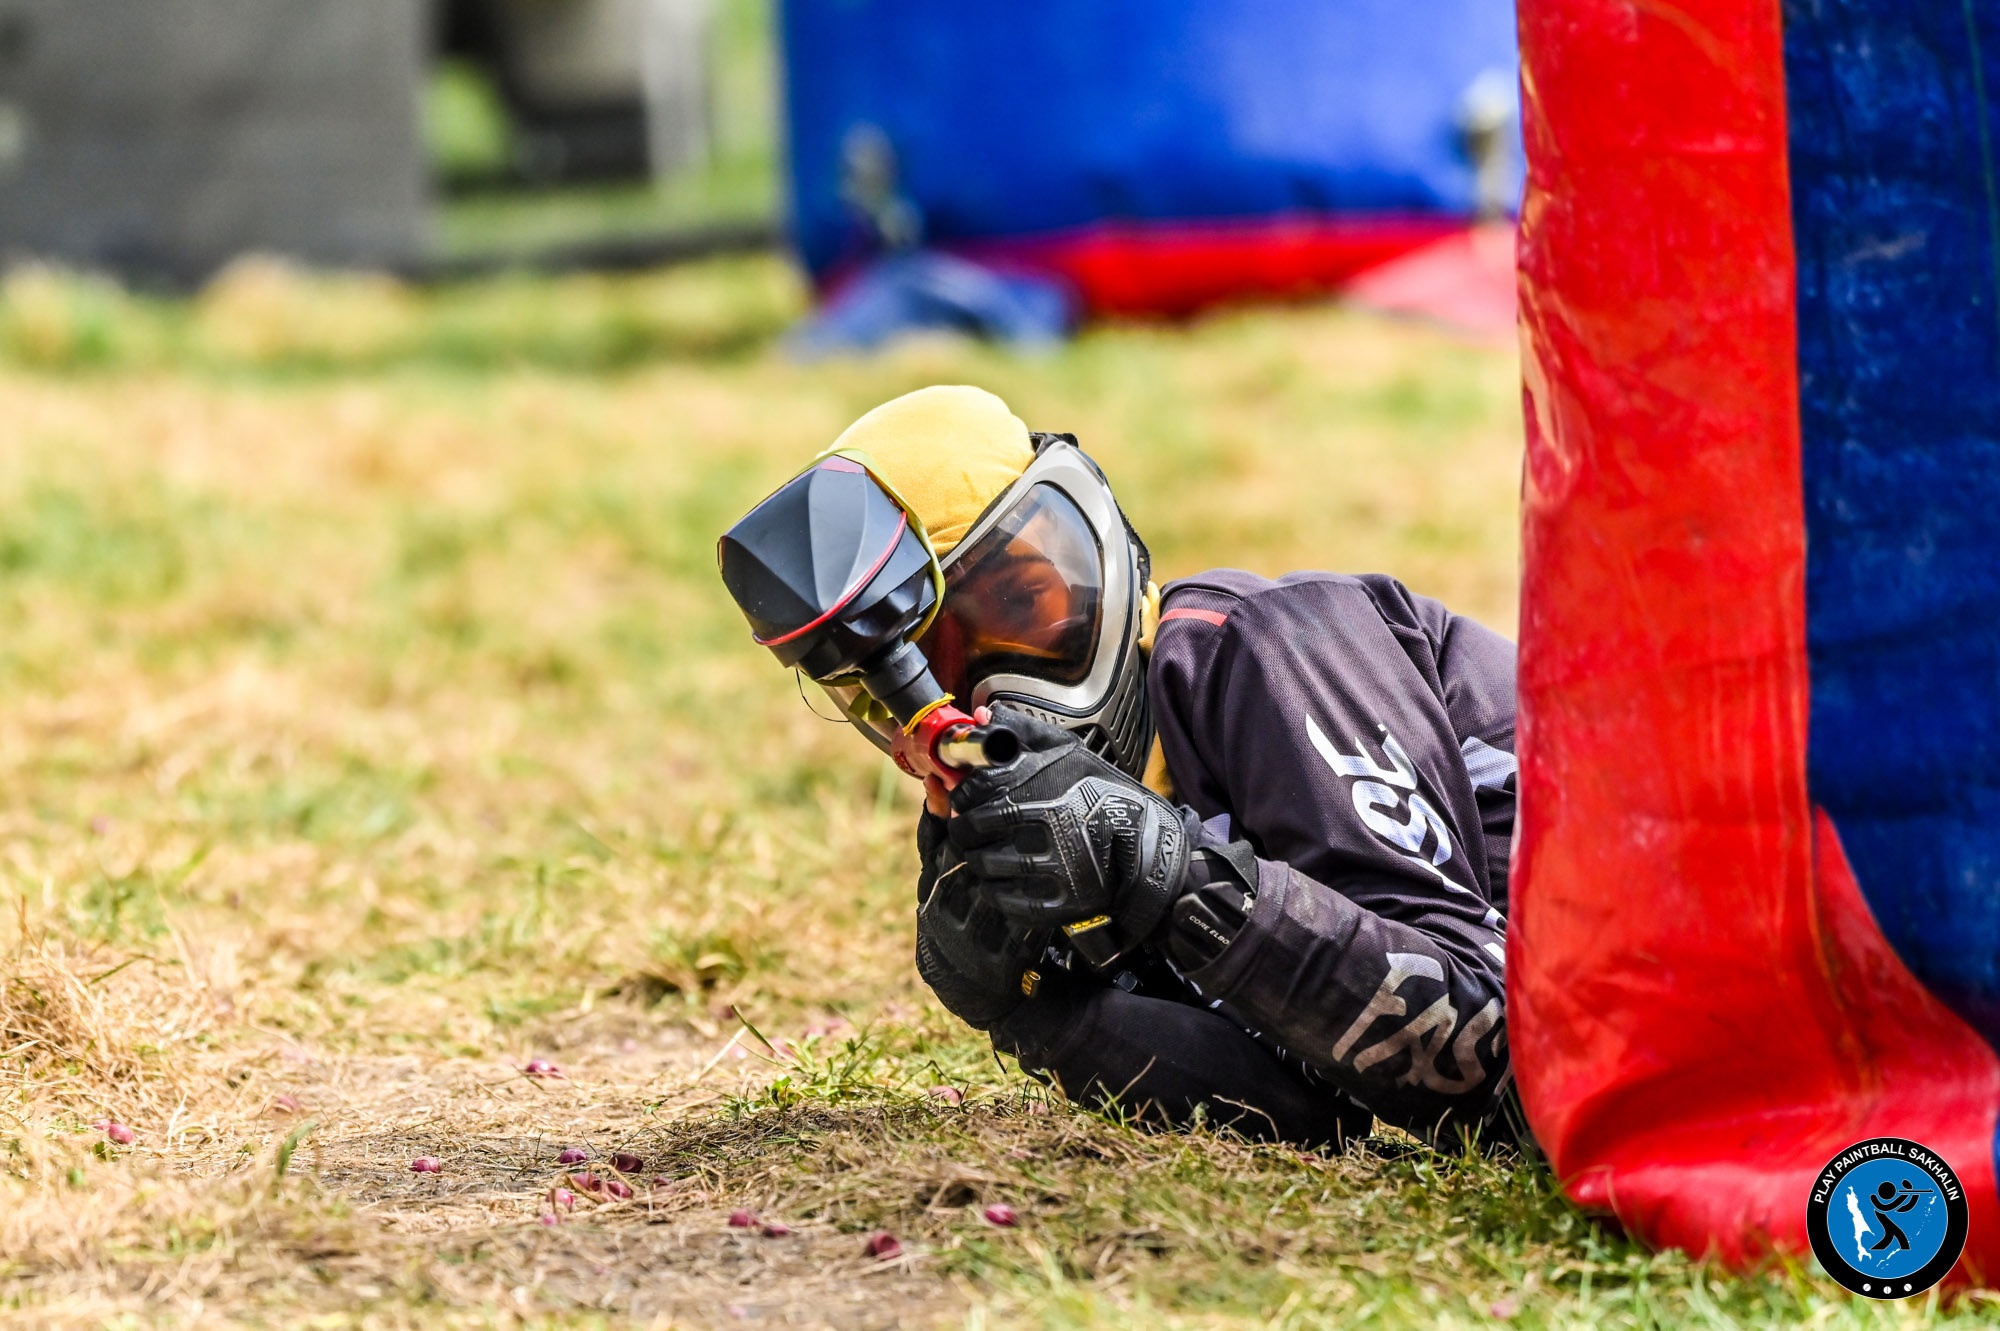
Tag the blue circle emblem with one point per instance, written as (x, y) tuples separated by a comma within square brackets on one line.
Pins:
[(1887, 1218)]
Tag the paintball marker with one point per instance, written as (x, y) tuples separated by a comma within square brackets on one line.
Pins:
[(838, 583)]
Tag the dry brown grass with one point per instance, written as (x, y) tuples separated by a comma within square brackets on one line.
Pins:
[(371, 723)]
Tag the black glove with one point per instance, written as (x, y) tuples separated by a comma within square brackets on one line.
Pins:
[(1061, 837), (936, 856), (973, 958)]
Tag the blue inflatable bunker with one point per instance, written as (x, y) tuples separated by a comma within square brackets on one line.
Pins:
[(1156, 154)]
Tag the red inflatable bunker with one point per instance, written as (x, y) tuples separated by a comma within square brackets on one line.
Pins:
[(1757, 906)]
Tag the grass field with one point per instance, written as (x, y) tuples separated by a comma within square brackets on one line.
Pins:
[(372, 723)]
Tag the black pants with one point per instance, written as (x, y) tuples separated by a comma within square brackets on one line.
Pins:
[(1161, 1062)]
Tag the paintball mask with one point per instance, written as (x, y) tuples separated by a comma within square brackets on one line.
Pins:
[(1038, 606)]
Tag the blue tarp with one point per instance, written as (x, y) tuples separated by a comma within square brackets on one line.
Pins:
[(1031, 116), (928, 292)]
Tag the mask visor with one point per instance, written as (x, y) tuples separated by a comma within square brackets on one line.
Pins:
[(1026, 598)]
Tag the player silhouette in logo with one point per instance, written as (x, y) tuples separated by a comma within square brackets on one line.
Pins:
[(1894, 1199)]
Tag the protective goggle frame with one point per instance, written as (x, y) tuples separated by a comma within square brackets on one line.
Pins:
[(1061, 465)]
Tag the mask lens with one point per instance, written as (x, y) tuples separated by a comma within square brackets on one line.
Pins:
[(1025, 599)]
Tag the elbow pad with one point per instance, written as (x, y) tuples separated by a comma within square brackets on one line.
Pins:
[(1205, 919)]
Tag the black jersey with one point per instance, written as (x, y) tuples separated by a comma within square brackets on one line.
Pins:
[(1360, 738)]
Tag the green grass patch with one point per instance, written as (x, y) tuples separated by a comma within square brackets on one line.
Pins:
[(373, 724)]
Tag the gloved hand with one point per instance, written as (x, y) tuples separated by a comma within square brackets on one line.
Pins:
[(1061, 837), (971, 956), (936, 856)]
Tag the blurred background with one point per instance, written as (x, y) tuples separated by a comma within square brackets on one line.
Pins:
[(1007, 171), (160, 138)]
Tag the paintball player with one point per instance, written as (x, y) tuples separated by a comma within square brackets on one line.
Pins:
[(1251, 864)]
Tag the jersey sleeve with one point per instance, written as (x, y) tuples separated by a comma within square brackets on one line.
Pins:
[(1313, 722), (1475, 670)]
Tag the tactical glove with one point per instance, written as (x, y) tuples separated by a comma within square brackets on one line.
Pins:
[(973, 957), (936, 856), (1061, 837)]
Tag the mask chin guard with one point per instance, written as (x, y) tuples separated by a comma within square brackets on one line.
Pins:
[(836, 581)]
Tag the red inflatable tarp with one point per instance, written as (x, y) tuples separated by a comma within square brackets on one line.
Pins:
[(1707, 1001)]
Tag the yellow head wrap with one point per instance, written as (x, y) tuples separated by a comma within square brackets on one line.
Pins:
[(947, 451)]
